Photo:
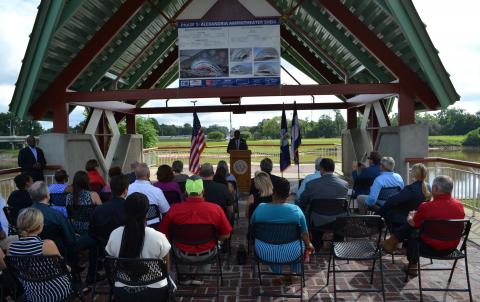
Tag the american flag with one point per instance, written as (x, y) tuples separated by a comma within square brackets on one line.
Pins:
[(197, 145)]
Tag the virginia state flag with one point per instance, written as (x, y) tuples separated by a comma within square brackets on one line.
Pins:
[(284, 148), (296, 136)]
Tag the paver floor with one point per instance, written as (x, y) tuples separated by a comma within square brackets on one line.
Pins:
[(241, 285)]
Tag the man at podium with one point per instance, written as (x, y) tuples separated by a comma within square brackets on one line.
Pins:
[(237, 143)]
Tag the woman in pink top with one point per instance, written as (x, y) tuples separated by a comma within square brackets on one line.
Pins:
[(165, 181)]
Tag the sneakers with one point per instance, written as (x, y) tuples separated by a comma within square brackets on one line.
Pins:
[(197, 282)]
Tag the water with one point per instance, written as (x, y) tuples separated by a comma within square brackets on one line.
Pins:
[(467, 155)]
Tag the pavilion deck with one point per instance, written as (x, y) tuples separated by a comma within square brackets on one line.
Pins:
[(241, 285)]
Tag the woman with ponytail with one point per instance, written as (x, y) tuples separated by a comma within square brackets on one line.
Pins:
[(396, 209), (136, 240)]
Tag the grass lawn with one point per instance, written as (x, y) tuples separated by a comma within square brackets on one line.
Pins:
[(446, 140)]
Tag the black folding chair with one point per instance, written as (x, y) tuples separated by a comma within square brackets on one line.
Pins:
[(279, 234), (80, 216), (58, 199), (138, 273), (444, 230), (154, 217), (35, 271), (357, 232), (172, 197), (11, 214), (326, 207), (193, 235)]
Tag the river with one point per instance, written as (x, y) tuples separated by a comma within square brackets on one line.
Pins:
[(467, 155)]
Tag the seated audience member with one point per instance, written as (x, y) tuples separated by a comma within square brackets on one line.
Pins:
[(308, 178), (223, 164), (137, 241), (230, 177), (266, 165), (216, 192), (165, 180), (67, 241), (82, 196), (196, 210), (20, 199), (5, 238), (386, 179), (143, 185), (280, 211), (110, 215), (61, 182), (264, 187), (396, 209), (365, 175), (94, 176), (30, 225), (178, 176), (442, 207), (221, 177), (133, 165), (329, 186), (113, 171)]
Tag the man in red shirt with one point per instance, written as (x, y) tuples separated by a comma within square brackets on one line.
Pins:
[(195, 210), (442, 207)]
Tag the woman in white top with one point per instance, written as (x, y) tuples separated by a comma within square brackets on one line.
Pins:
[(136, 240)]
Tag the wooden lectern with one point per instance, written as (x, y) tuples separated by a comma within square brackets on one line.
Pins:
[(240, 166)]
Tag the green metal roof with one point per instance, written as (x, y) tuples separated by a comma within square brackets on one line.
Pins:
[(62, 28)]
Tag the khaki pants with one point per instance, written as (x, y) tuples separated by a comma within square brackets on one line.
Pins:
[(362, 206)]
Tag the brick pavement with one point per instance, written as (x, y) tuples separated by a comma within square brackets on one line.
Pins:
[(241, 285)]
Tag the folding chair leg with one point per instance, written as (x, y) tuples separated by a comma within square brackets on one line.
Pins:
[(219, 277), (334, 280), (328, 268), (259, 273), (419, 279), (453, 268), (381, 277), (373, 271), (219, 268), (468, 277)]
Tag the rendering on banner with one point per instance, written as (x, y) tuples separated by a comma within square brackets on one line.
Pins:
[(229, 53)]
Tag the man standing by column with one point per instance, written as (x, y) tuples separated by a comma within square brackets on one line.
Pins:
[(31, 160)]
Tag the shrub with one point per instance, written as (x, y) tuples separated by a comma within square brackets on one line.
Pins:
[(216, 136), (472, 138), (246, 135)]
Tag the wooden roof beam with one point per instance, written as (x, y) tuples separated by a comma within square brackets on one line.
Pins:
[(408, 78), (53, 94), (211, 92)]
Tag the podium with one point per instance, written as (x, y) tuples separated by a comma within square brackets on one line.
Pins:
[(240, 166)]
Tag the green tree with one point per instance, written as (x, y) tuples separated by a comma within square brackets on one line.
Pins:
[(10, 124), (146, 128), (246, 134), (217, 128), (472, 138), (340, 122), (216, 136), (326, 126)]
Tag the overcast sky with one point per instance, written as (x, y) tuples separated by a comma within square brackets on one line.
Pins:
[(451, 28)]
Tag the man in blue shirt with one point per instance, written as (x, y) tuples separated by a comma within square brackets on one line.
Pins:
[(307, 179), (387, 180), (363, 177), (58, 228)]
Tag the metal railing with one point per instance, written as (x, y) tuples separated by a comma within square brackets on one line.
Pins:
[(465, 175), (166, 155), (7, 185)]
